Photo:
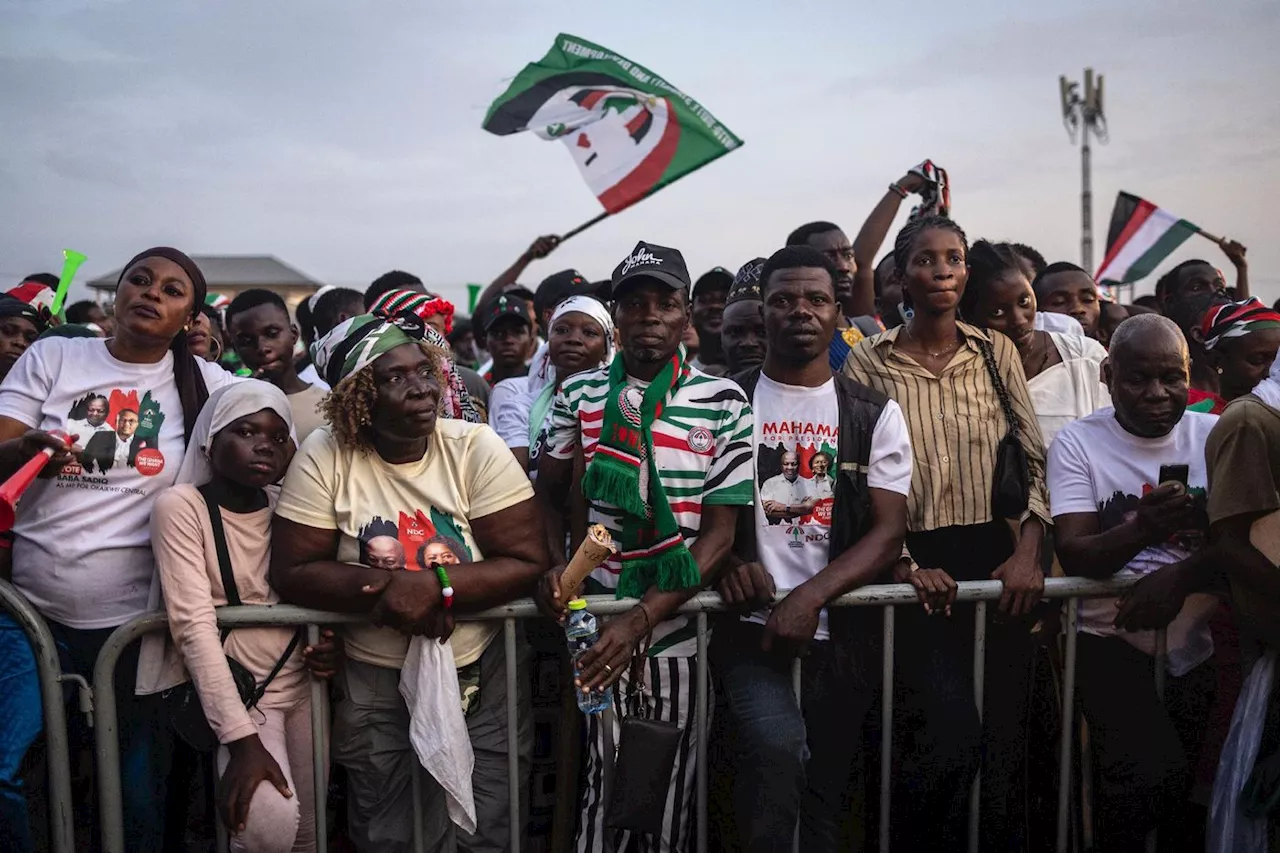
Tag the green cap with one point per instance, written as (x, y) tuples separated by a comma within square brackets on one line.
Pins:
[(577, 604)]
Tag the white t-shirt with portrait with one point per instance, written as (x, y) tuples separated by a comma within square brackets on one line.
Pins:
[(1096, 466), (82, 542), (804, 421)]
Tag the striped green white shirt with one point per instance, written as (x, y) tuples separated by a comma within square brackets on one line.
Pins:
[(702, 445)]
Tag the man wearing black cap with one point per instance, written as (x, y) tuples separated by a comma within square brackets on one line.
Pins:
[(509, 337), (554, 290), (743, 331), (668, 466), (709, 294)]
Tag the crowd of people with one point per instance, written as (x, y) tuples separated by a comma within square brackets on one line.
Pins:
[(824, 419)]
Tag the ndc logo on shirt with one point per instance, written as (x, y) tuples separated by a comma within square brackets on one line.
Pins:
[(700, 439)]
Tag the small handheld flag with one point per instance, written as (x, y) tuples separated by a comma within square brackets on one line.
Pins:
[(1140, 237)]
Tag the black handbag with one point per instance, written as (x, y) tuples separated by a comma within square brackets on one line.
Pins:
[(182, 703), (647, 748), (1011, 486)]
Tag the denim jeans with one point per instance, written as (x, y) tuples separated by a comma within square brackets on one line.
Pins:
[(146, 739), (20, 723), (793, 762)]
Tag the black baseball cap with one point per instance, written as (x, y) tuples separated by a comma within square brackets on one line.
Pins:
[(505, 305), (714, 277), (649, 260), (558, 287)]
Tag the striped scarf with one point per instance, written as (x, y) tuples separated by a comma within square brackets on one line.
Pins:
[(624, 473)]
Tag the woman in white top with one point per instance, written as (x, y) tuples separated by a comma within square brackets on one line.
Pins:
[(1064, 371), (519, 409), (82, 542)]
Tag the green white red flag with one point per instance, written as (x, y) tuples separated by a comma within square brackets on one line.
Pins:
[(630, 131), (1141, 236)]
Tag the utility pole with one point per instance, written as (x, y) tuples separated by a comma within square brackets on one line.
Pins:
[(1082, 114)]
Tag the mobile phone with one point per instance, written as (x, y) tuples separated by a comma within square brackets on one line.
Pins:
[(1176, 473)]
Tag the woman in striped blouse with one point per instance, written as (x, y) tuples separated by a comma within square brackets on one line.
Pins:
[(935, 368)]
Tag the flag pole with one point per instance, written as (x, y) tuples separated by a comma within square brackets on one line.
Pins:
[(584, 226), (1206, 234)]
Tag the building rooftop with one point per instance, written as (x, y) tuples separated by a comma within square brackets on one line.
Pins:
[(232, 271)]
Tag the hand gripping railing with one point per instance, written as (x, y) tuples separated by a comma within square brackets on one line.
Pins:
[(888, 596)]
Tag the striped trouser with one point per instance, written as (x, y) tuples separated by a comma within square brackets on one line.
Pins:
[(671, 693)]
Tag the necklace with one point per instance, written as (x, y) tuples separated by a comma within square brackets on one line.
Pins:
[(940, 353)]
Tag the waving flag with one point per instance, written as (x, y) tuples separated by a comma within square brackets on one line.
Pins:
[(630, 131), (1141, 236)]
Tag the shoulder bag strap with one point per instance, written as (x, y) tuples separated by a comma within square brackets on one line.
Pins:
[(1002, 392), (229, 587), (233, 592)]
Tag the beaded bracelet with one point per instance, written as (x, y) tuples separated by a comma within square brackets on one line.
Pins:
[(899, 190), (445, 589)]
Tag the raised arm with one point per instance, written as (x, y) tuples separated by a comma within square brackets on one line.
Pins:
[(537, 250), (1235, 253), (872, 236)]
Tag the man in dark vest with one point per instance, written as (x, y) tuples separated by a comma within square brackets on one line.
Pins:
[(793, 763)]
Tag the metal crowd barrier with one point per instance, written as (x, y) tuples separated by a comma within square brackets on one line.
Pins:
[(888, 596), (49, 671)]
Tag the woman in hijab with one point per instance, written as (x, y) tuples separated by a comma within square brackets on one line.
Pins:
[(82, 544), (581, 339), (242, 445), (391, 467)]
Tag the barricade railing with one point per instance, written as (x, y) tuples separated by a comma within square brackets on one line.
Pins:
[(888, 596), (49, 671)]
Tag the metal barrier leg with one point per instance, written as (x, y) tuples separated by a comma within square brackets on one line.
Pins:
[(49, 671), (319, 749), (979, 674), (886, 730), (795, 686), (703, 711), (513, 745), (107, 729), (1068, 726)]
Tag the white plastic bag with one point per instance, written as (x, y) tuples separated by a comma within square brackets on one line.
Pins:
[(1230, 831)]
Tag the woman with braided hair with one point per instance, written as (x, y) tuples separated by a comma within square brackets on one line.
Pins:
[(958, 387), (397, 461)]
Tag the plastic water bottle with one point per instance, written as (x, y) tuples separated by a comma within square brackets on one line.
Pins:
[(580, 629)]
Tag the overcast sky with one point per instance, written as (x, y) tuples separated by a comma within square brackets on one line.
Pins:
[(344, 137)]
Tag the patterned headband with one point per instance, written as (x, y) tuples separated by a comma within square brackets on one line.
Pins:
[(1235, 320)]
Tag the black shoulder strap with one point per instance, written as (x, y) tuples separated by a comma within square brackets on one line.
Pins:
[(220, 545), (229, 587), (233, 592)]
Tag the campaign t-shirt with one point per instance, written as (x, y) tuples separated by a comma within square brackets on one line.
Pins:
[(82, 542), (1096, 466), (701, 445), (796, 440), (405, 516)]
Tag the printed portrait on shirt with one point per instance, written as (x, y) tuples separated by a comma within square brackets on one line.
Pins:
[(118, 431), (795, 466), (414, 541)]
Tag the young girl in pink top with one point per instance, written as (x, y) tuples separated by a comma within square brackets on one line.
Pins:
[(242, 445)]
